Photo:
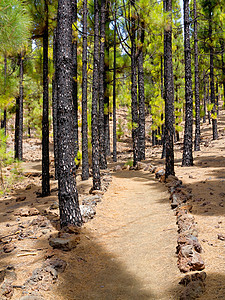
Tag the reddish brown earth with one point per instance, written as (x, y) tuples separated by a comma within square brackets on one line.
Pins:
[(128, 250)]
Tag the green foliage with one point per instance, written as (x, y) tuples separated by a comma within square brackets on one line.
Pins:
[(78, 158), (119, 131), (6, 159), (210, 106), (129, 163)]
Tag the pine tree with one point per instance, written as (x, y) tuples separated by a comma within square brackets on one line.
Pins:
[(85, 165), (95, 94), (169, 91), (187, 159), (68, 196), (197, 99)]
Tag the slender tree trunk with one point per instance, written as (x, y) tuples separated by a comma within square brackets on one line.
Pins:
[(85, 165), (54, 104), (223, 71), (212, 88), (169, 93), (204, 96), (217, 98), (163, 126), (141, 96), (74, 75), (107, 82), (19, 118), (4, 121), (95, 95), (68, 196), (187, 152), (114, 93), (45, 122), (208, 101), (197, 98), (102, 145), (134, 104)]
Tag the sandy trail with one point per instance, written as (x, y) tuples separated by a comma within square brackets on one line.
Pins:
[(129, 249)]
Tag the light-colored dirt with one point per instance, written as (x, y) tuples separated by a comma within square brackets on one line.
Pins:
[(128, 250), (131, 251)]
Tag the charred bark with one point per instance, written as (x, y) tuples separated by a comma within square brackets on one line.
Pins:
[(188, 132), (169, 94), (141, 97), (197, 98), (19, 117), (102, 145), (95, 97), (68, 196), (85, 164), (45, 122)]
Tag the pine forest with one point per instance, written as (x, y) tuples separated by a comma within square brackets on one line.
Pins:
[(112, 149)]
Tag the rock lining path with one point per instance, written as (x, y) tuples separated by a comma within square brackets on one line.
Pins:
[(131, 243)]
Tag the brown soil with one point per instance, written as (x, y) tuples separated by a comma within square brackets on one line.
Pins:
[(128, 250)]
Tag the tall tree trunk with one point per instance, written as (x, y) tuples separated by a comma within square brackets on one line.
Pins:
[(169, 93), (19, 117), (4, 121), (163, 126), (114, 93), (107, 82), (85, 165), (45, 122), (68, 196), (102, 146), (197, 98), (208, 101), (74, 75), (223, 71), (141, 96), (54, 104), (204, 96), (217, 98), (134, 104), (188, 132), (212, 88), (95, 91)]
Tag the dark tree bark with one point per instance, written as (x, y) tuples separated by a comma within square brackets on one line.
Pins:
[(134, 104), (45, 122), (197, 98), (68, 196), (4, 121), (102, 145), (212, 88), (163, 126), (204, 96), (74, 75), (169, 94), (188, 132), (217, 98), (85, 165), (54, 105), (141, 97), (208, 101), (95, 95), (19, 117), (107, 82), (223, 71), (114, 93)]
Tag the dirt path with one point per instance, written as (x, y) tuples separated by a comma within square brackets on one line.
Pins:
[(129, 250)]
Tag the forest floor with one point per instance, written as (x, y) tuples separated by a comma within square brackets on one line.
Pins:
[(127, 251)]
